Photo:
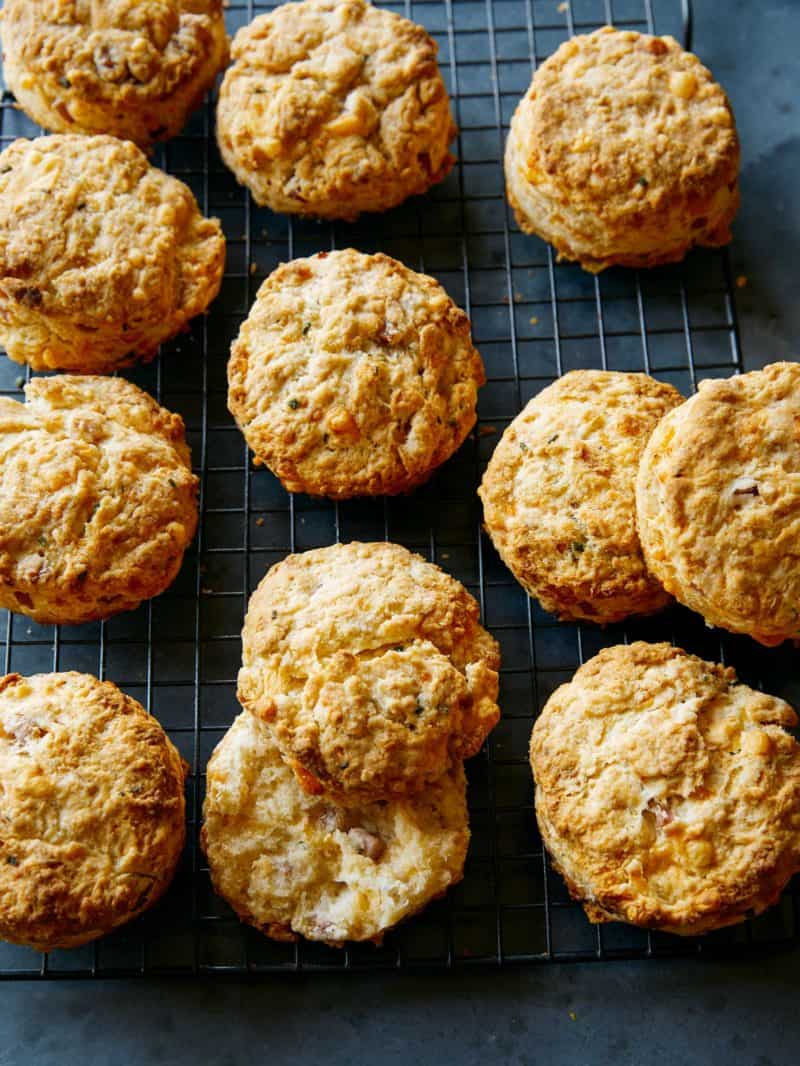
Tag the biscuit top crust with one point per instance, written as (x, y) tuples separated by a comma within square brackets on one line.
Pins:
[(353, 374), (372, 667), (293, 863), (668, 793), (92, 808), (90, 231), (622, 122), (558, 493), (719, 502), (96, 488), (121, 51), (346, 94)]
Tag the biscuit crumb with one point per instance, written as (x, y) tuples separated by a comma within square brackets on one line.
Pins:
[(486, 431), (742, 281), (573, 1016), (259, 521), (534, 321)]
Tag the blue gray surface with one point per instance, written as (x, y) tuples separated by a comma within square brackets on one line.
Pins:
[(665, 1012)]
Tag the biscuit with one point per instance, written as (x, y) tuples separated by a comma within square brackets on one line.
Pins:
[(92, 823), (372, 668), (667, 793), (334, 108), (97, 498), (718, 503), (102, 256), (289, 863), (558, 494), (353, 375), (623, 152), (131, 68)]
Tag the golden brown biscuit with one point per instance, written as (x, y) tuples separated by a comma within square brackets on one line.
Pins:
[(334, 108), (353, 375), (623, 152), (289, 863), (667, 794), (97, 498), (131, 68), (92, 823), (102, 257), (718, 502), (558, 494), (372, 668)]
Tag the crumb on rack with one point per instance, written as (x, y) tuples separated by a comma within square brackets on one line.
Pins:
[(741, 281)]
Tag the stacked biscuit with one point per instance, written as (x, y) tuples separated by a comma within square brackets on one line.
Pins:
[(335, 804), (667, 793)]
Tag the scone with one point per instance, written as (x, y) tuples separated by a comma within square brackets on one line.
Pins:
[(131, 68), (623, 152), (667, 793), (353, 375), (289, 863), (558, 494), (718, 503), (334, 108), (102, 256), (97, 498), (92, 823), (372, 668)]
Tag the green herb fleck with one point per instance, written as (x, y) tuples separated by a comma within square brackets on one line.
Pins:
[(19, 382), (306, 327), (294, 404), (550, 440), (643, 182), (577, 547), (12, 860), (172, 482), (43, 540), (523, 447), (343, 765), (419, 709)]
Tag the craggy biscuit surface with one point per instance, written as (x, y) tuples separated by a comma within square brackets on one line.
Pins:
[(372, 668), (290, 863), (131, 68), (558, 494), (92, 799), (97, 498), (334, 108), (667, 793), (353, 375), (623, 152), (102, 256), (718, 501)]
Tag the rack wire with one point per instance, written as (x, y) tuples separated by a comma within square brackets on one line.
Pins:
[(533, 319)]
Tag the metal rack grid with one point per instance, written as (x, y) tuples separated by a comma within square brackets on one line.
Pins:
[(533, 319)]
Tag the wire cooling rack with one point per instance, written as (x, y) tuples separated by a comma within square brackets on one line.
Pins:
[(533, 319)]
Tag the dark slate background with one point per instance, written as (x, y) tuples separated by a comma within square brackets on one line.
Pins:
[(657, 1011)]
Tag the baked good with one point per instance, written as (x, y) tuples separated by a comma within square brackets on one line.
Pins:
[(623, 152), (558, 494), (102, 256), (290, 863), (92, 823), (334, 107), (718, 503), (97, 498), (131, 68), (372, 668), (667, 793), (353, 375)]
